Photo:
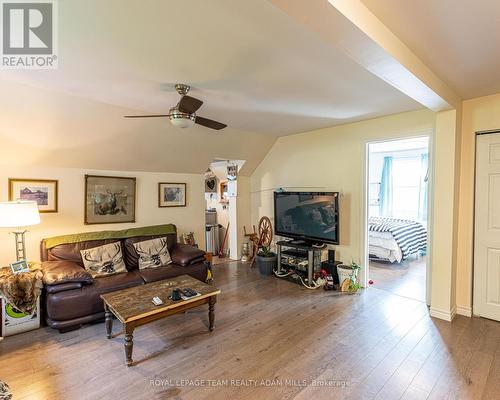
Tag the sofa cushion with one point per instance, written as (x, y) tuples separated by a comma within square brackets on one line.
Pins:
[(153, 253), (77, 303), (130, 254), (71, 251), (57, 272), (117, 282), (183, 254), (198, 271), (104, 260)]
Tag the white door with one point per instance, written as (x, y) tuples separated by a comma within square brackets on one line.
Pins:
[(487, 228)]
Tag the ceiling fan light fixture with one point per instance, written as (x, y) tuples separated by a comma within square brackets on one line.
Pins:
[(181, 120), (183, 115)]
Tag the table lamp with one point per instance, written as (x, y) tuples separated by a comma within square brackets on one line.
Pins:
[(18, 214)]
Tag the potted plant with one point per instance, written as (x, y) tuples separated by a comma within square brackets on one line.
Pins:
[(348, 277), (266, 260)]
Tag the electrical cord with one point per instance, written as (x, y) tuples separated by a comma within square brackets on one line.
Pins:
[(283, 275), (316, 286)]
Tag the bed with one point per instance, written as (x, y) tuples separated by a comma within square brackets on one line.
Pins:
[(394, 240)]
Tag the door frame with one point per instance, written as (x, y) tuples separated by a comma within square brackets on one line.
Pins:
[(430, 207)]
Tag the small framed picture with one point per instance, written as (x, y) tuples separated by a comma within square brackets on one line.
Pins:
[(171, 194), (43, 191), (19, 267)]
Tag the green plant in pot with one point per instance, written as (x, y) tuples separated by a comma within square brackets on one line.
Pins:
[(266, 260)]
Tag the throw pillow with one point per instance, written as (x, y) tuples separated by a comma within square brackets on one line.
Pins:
[(153, 253), (104, 260)]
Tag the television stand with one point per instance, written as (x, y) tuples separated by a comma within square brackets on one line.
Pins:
[(301, 257)]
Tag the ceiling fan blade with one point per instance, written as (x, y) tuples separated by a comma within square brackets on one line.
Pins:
[(189, 104), (210, 123), (146, 116)]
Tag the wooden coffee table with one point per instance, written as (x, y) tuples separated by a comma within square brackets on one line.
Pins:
[(134, 306)]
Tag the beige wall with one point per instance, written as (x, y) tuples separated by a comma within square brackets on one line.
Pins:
[(446, 167), (69, 219), (478, 115), (331, 159)]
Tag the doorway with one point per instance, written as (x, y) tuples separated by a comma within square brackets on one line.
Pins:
[(221, 215), (397, 216)]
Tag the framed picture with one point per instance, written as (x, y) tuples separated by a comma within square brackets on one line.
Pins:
[(211, 185), (109, 199), (43, 191), (171, 194), (19, 267), (232, 172)]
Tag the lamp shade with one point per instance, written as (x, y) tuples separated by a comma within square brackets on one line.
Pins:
[(15, 214)]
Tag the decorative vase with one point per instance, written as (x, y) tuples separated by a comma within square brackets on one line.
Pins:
[(344, 272), (245, 252)]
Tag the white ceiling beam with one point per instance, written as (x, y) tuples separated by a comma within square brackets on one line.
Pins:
[(351, 26)]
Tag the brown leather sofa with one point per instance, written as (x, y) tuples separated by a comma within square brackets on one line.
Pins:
[(72, 297)]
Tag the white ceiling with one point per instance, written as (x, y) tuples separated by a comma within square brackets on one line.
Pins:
[(458, 39), (256, 69)]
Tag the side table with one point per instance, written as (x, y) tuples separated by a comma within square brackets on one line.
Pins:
[(13, 320)]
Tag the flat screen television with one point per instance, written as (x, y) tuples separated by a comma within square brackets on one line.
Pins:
[(307, 216)]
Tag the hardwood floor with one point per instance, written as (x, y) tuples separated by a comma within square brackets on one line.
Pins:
[(405, 279), (272, 340)]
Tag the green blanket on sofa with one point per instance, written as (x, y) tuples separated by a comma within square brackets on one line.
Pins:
[(101, 235)]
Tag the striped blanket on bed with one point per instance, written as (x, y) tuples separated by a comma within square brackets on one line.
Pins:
[(410, 236)]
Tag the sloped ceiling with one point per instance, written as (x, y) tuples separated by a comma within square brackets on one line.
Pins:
[(254, 67), (458, 39), (40, 127)]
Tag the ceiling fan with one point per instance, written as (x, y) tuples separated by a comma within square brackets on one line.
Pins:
[(183, 115)]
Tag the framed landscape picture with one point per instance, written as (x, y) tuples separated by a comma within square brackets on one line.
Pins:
[(171, 194), (109, 199), (43, 191)]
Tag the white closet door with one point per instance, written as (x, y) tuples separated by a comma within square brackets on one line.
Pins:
[(487, 228)]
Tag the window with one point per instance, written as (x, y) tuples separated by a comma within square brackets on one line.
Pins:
[(407, 175)]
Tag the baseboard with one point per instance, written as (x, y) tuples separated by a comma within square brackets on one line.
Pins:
[(443, 314), (465, 311)]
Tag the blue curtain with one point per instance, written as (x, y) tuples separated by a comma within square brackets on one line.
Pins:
[(386, 188), (422, 212)]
